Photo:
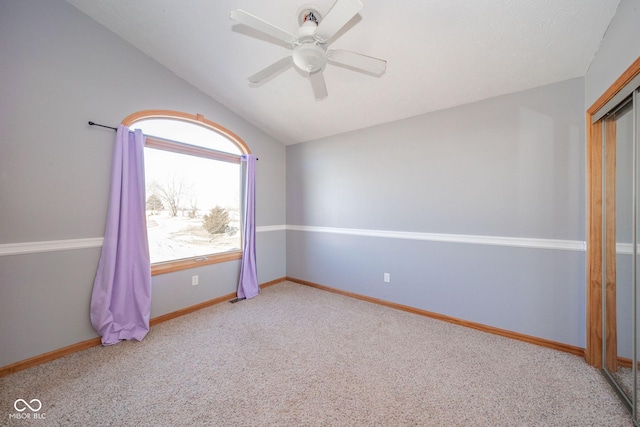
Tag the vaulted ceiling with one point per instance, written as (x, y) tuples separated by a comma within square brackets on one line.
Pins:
[(439, 54)]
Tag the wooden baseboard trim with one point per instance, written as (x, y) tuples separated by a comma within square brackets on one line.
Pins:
[(205, 304), (93, 342), (578, 351), (273, 282), (191, 309), (48, 357), (625, 362)]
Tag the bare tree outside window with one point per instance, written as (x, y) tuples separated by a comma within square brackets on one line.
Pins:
[(172, 192)]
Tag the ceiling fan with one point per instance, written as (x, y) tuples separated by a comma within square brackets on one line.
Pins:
[(309, 44)]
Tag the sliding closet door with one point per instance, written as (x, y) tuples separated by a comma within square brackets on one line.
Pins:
[(634, 134), (613, 236), (618, 262)]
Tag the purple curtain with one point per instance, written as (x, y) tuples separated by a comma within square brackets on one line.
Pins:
[(248, 285), (121, 298)]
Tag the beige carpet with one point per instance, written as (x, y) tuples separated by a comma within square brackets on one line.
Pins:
[(298, 356)]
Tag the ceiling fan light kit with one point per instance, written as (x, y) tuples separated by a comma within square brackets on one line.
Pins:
[(309, 57), (309, 44)]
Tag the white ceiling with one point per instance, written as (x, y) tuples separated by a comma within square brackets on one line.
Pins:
[(440, 53)]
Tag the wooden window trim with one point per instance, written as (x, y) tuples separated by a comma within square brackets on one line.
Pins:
[(167, 145), (199, 261), (593, 351), (192, 150), (198, 119)]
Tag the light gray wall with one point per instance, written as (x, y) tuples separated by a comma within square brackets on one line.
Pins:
[(511, 166), (59, 70), (619, 48)]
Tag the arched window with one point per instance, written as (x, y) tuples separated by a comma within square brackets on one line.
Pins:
[(193, 189)]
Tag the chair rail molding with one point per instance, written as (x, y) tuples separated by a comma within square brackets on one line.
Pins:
[(24, 248), (520, 242)]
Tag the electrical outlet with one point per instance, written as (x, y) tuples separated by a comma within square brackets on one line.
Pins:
[(194, 280), (387, 277)]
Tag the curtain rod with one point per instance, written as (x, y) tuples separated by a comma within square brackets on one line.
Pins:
[(102, 126), (154, 137)]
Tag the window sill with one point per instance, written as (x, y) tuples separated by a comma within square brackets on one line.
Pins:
[(185, 264)]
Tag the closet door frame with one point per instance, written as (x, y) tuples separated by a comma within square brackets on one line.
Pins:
[(595, 198)]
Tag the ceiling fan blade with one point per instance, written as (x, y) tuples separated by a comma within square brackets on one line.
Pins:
[(271, 70), (356, 60), (318, 85), (245, 18), (339, 14)]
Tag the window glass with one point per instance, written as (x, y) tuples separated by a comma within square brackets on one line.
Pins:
[(193, 201), (188, 133)]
